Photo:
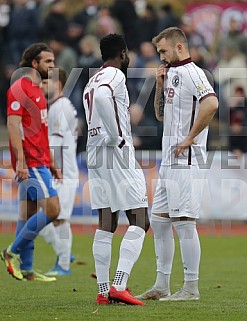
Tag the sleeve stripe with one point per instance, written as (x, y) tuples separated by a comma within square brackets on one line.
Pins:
[(191, 124), (115, 109), (210, 94)]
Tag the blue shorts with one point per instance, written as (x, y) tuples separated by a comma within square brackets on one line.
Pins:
[(38, 185)]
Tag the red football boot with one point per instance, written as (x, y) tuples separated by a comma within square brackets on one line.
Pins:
[(101, 299), (123, 296)]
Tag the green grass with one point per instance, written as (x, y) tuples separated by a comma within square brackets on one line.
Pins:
[(223, 281)]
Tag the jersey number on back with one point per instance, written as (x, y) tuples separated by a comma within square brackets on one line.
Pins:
[(89, 99)]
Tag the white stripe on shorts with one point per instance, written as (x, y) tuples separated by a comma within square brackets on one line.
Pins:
[(41, 182)]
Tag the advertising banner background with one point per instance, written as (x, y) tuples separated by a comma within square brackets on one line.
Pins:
[(224, 196), (212, 19)]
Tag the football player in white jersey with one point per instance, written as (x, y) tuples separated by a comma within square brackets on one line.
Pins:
[(62, 127), (116, 180), (186, 103)]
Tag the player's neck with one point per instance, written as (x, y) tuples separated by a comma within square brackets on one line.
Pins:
[(184, 56), (34, 77), (54, 98), (112, 63)]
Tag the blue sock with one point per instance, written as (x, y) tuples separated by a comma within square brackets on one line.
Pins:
[(26, 254), (29, 231), (19, 226)]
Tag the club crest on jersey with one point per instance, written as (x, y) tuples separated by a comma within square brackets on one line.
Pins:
[(15, 105), (175, 81)]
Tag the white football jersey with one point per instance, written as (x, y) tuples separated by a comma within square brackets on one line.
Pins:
[(106, 103), (63, 133), (186, 86)]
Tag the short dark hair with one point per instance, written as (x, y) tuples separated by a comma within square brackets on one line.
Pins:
[(33, 52), (62, 77), (111, 45), (174, 34)]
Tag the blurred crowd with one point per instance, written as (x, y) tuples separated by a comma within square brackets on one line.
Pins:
[(75, 42)]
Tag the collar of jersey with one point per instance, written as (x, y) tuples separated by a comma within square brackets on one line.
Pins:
[(107, 65), (54, 100), (181, 63)]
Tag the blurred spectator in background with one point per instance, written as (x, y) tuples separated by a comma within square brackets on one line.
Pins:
[(148, 24), (5, 77), (103, 24), (55, 24), (228, 74), (83, 17), (74, 33), (235, 36), (197, 55), (142, 78), (126, 14), (238, 122), (4, 21), (89, 57), (195, 39), (22, 29), (146, 134), (147, 54), (147, 90), (65, 56), (90, 61), (167, 18)]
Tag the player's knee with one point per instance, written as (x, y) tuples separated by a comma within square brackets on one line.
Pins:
[(53, 209), (58, 222)]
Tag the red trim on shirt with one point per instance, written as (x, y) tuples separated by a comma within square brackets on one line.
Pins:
[(181, 62), (115, 109), (211, 94), (191, 124)]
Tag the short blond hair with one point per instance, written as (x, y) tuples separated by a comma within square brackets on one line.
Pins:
[(174, 34)]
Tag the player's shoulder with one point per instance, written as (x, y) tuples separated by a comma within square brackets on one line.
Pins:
[(59, 104), (20, 83), (192, 73), (193, 69), (113, 73)]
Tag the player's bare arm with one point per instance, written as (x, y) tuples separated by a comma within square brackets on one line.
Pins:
[(55, 170), (14, 132), (159, 93), (208, 107)]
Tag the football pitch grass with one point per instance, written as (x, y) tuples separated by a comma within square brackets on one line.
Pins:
[(223, 282)]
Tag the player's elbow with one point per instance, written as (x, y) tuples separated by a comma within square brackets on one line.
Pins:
[(214, 104), (210, 104)]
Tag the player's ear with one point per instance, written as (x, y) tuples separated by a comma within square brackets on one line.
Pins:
[(179, 47), (34, 63), (122, 55)]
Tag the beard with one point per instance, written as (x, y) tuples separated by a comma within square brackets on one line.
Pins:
[(124, 66), (43, 73), (174, 58)]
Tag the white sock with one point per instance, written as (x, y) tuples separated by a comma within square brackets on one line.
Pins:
[(164, 250), (49, 234), (102, 246), (190, 251), (130, 250), (63, 244)]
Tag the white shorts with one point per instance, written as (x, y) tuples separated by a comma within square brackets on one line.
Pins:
[(179, 191), (117, 180), (66, 193)]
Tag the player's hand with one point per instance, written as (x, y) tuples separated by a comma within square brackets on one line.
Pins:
[(161, 74), (180, 148), (21, 172), (56, 173)]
